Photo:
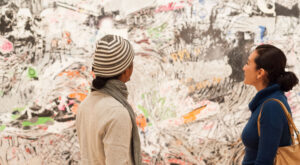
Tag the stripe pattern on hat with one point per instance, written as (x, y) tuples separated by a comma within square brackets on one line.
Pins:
[(113, 55)]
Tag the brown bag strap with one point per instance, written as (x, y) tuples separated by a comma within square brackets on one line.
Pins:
[(291, 124)]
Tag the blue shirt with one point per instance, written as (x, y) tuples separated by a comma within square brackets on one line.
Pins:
[(273, 127)]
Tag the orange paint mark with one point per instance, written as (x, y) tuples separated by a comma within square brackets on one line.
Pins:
[(191, 116), (83, 68), (78, 96), (178, 142), (93, 74), (74, 108), (141, 121), (67, 36), (70, 74)]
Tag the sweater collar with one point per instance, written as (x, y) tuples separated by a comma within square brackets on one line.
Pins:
[(262, 95)]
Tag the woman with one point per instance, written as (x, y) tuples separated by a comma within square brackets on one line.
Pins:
[(105, 121), (265, 70)]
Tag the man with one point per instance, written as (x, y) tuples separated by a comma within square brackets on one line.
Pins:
[(105, 122)]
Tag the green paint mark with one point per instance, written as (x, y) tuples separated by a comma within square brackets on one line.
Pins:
[(14, 116), (1, 93), (41, 120), (143, 110), (32, 73), (143, 96), (2, 127), (155, 32), (162, 100)]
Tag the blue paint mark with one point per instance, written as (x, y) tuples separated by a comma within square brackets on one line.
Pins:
[(201, 1), (201, 13), (262, 32)]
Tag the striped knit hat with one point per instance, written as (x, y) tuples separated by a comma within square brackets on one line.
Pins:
[(113, 55)]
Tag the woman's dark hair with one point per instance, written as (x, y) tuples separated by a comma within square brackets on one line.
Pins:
[(99, 82), (273, 60)]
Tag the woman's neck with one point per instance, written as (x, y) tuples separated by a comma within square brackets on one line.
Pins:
[(260, 86)]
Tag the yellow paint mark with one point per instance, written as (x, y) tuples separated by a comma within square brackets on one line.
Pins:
[(174, 56), (191, 89), (197, 51), (184, 53), (217, 80), (199, 85)]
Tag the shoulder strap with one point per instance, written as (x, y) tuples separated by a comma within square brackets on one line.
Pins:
[(291, 124)]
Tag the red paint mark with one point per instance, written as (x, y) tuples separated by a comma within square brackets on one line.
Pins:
[(170, 6), (7, 46), (142, 54), (8, 137), (61, 107), (208, 126), (178, 161), (28, 150), (146, 160), (51, 142), (43, 127), (143, 41)]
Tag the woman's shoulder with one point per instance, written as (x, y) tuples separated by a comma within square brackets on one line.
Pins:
[(272, 108)]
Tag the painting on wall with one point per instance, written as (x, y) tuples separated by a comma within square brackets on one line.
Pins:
[(187, 85)]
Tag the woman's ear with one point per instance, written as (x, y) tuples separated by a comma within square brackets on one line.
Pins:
[(262, 74)]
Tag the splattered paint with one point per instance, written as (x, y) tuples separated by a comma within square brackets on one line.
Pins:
[(186, 89)]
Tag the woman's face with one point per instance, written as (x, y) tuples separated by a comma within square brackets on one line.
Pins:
[(128, 72), (250, 71)]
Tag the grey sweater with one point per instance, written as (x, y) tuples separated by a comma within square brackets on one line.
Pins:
[(104, 131)]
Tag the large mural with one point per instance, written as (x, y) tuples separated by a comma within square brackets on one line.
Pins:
[(186, 89)]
